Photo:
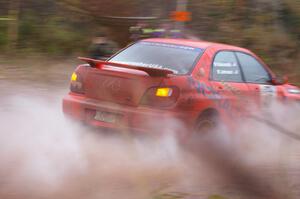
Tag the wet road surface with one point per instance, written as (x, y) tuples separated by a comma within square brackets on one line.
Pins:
[(44, 155)]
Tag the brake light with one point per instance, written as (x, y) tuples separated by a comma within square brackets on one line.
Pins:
[(74, 77), (160, 96), (164, 92), (76, 85)]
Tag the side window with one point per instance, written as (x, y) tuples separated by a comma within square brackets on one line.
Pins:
[(254, 72), (225, 67)]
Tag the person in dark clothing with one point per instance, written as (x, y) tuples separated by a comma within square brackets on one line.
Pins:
[(102, 48)]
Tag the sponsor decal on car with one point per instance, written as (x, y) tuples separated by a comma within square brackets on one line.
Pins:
[(172, 46), (268, 93)]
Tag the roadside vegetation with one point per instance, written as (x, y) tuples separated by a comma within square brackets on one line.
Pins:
[(271, 28)]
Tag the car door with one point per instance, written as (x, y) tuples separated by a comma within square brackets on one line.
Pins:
[(258, 80), (227, 78)]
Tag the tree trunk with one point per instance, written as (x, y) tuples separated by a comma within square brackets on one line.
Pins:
[(13, 25)]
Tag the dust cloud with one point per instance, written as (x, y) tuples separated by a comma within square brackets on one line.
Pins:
[(45, 155)]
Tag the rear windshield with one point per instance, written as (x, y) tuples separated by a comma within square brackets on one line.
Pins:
[(178, 58)]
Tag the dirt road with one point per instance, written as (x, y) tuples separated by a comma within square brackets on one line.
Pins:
[(44, 155)]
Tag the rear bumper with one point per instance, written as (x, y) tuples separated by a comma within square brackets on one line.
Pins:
[(141, 119)]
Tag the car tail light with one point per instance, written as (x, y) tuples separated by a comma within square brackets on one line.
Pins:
[(76, 84), (164, 92), (160, 97)]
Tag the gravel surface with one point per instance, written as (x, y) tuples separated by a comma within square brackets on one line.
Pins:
[(44, 155)]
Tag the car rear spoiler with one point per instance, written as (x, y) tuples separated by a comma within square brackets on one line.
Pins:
[(153, 72)]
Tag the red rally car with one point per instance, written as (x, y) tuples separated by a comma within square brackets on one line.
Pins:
[(195, 83)]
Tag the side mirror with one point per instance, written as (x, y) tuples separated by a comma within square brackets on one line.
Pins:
[(280, 80)]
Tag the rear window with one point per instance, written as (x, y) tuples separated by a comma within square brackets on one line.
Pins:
[(178, 58)]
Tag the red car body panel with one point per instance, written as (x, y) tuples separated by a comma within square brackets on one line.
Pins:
[(118, 92)]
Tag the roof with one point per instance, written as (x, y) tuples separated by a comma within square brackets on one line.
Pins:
[(195, 43)]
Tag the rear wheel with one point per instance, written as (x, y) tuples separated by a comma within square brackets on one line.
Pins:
[(204, 134), (207, 122)]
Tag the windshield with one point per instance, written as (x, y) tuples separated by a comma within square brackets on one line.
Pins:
[(180, 59)]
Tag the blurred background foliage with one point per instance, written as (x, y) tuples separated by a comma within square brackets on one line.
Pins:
[(268, 27), (271, 28)]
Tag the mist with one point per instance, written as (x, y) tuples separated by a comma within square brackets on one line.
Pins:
[(43, 154)]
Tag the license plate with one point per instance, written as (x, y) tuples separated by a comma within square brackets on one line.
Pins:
[(106, 117)]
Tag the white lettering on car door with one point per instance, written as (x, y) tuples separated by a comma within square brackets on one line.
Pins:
[(268, 93)]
